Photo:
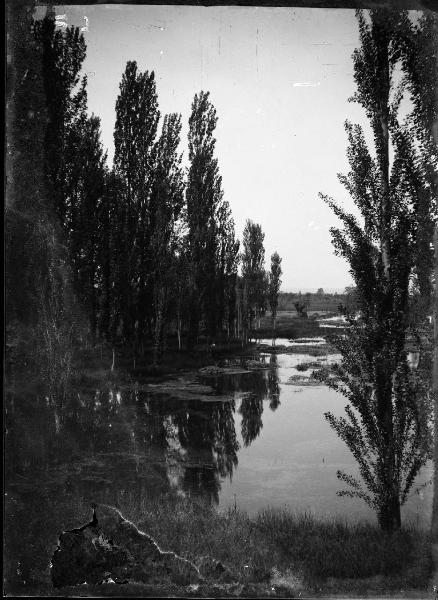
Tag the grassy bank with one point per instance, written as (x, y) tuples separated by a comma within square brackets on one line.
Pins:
[(276, 553), (297, 550), (290, 552), (105, 363)]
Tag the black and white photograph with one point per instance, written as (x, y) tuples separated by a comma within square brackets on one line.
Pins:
[(221, 301)]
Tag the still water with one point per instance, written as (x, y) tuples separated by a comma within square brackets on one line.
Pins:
[(268, 444)]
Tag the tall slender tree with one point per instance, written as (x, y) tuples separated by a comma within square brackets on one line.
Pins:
[(135, 130), (63, 53), (166, 202), (274, 286), (386, 423), (204, 196), (74, 158), (253, 272), (227, 262), (84, 217), (419, 56), (43, 104)]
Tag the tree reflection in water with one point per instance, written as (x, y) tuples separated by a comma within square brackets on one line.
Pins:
[(106, 443), (251, 410), (273, 384), (257, 386)]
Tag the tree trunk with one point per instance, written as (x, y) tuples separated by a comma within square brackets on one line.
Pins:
[(157, 337), (193, 332), (239, 317), (178, 331), (435, 398), (389, 515), (382, 147), (435, 362), (385, 202), (94, 308), (390, 508)]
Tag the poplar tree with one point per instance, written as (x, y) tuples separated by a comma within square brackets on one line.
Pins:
[(166, 204), (274, 286), (386, 422), (87, 160), (253, 273), (227, 263), (63, 53), (419, 57), (204, 196), (74, 158), (135, 130), (46, 98)]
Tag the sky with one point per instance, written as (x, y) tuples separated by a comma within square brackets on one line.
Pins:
[(279, 78)]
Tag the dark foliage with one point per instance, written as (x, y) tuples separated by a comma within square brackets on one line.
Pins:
[(386, 422)]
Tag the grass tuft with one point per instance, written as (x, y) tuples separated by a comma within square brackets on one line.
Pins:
[(323, 549), (193, 529)]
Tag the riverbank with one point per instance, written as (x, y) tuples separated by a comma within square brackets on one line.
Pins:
[(122, 363), (277, 553), (119, 364), (148, 441)]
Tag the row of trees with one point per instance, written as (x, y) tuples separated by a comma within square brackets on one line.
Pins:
[(258, 288), (145, 246), (390, 253)]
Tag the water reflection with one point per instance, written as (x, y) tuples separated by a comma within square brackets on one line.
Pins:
[(207, 434), (273, 383), (111, 444), (109, 437), (251, 410), (104, 443)]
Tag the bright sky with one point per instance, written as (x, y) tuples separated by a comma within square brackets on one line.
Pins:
[(280, 79)]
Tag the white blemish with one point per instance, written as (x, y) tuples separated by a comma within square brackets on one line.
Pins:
[(306, 84), (60, 21)]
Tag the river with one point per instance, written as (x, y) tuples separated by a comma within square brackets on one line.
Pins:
[(266, 443)]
